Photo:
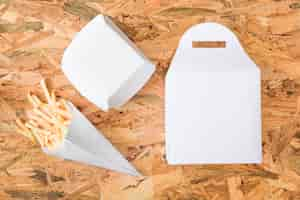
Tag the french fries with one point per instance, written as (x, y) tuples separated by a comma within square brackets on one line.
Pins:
[(48, 121)]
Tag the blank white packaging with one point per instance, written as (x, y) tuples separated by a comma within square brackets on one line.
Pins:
[(213, 102), (104, 65), (84, 143)]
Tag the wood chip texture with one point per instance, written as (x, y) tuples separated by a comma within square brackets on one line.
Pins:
[(33, 36)]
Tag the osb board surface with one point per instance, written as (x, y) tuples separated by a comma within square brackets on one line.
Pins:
[(33, 35)]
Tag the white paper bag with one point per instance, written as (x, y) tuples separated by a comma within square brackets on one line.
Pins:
[(84, 143), (213, 103), (104, 65)]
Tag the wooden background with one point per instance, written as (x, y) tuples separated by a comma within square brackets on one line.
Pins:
[(33, 35)]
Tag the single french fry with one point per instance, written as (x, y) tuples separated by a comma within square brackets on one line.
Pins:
[(39, 139), (46, 91), (32, 101), (25, 133), (22, 129), (33, 123), (53, 97), (37, 100), (20, 124), (22, 132), (60, 134)]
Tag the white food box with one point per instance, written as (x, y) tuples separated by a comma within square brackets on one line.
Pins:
[(213, 101), (104, 65)]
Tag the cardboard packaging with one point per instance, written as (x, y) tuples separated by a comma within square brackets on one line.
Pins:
[(84, 143), (104, 65), (213, 102)]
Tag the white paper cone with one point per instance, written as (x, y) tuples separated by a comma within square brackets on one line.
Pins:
[(84, 143)]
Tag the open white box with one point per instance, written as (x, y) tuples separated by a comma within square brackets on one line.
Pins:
[(104, 65), (213, 103)]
